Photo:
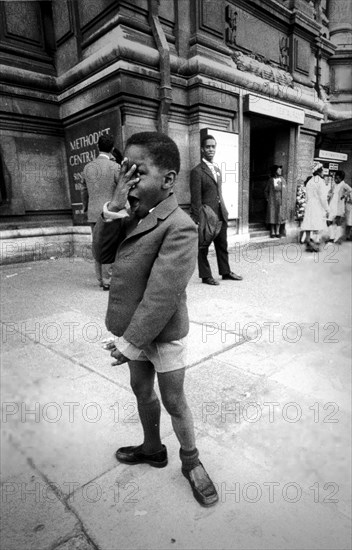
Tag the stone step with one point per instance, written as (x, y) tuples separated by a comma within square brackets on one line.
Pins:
[(256, 225), (256, 234)]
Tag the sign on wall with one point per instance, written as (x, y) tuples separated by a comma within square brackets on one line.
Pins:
[(226, 158), (271, 108), (82, 147), (332, 155)]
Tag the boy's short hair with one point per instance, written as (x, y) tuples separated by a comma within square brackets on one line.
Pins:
[(205, 138), (106, 143), (162, 149), (341, 174)]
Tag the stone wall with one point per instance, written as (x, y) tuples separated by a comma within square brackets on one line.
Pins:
[(77, 68)]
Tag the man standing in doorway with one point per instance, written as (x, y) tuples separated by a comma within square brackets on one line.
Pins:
[(205, 186), (100, 177)]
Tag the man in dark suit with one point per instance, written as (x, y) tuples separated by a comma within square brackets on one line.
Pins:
[(206, 190)]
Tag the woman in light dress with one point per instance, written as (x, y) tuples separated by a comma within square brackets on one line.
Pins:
[(317, 208)]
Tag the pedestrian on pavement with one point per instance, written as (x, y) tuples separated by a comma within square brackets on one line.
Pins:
[(317, 208), (100, 177), (348, 212), (153, 245), (276, 195), (337, 207), (205, 186)]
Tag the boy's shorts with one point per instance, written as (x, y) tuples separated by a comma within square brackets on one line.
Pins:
[(166, 356)]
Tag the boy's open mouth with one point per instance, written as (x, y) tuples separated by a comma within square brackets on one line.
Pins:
[(134, 203)]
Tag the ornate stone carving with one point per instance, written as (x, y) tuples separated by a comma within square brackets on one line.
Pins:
[(320, 15), (231, 20), (255, 64), (284, 52)]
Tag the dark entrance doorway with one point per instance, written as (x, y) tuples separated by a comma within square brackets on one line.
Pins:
[(269, 144)]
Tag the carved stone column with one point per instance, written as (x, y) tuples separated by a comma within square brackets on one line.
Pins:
[(340, 25), (340, 22)]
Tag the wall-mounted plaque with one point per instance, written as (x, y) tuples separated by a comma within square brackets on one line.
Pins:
[(82, 147), (271, 108)]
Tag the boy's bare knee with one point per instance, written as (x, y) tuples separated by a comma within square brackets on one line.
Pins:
[(175, 405)]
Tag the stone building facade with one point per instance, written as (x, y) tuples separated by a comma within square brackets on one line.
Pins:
[(263, 76)]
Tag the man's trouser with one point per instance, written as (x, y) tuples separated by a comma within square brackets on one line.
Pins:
[(102, 271)]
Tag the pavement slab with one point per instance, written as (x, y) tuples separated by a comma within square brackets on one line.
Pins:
[(33, 516), (268, 382), (285, 431), (256, 510), (68, 420)]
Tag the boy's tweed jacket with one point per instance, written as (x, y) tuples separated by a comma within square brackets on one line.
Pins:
[(152, 264)]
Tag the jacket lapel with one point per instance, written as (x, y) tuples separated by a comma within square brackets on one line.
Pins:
[(144, 225), (161, 211), (209, 173)]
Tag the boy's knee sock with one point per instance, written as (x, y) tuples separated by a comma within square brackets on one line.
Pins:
[(189, 459), (150, 419)]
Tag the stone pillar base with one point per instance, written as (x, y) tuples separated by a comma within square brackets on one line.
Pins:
[(44, 243)]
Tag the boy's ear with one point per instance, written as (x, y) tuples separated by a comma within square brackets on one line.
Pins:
[(169, 179)]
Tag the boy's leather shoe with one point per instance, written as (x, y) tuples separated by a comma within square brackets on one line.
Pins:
[(202, 486), (210, 281), (135, 455), (106, 287), (232, 277)]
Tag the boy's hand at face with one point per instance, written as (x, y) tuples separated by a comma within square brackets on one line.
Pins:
[(126, 181)]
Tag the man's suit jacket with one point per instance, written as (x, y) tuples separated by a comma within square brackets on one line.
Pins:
[(153, 262), (99, 180), (206, 190)]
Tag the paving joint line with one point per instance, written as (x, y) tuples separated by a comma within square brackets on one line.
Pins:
[(216, 353), (59, 495), (75, 361)]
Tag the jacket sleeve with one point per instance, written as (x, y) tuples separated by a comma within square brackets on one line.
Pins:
[(196, 193), (167, 282), (106, 239)]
